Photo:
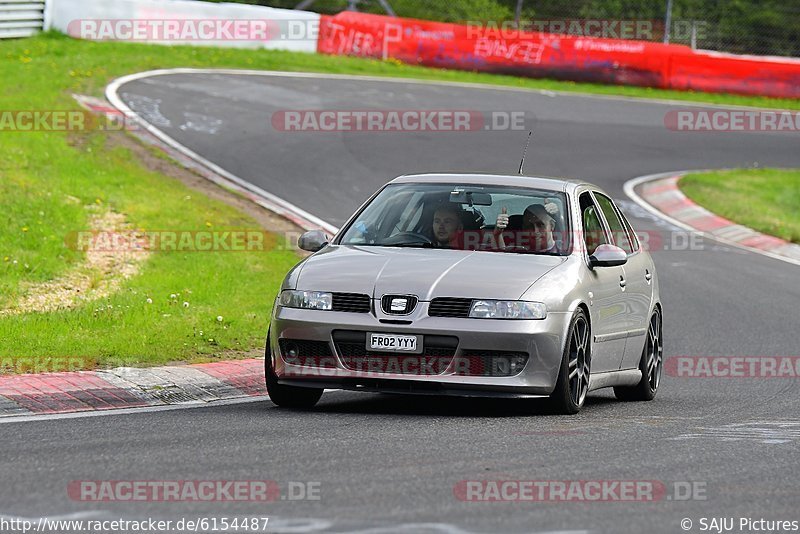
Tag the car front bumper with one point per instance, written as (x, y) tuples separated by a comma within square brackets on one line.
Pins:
[(541, 340)]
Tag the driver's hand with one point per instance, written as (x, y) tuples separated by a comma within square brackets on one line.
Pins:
[(551, 207), (502, 220)]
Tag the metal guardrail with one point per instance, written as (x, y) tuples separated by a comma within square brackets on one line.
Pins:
[(21, 18)]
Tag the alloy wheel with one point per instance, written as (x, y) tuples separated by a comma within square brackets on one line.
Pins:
[(579, 361)]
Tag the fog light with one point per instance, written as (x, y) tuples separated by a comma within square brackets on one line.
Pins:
[(517, 363), (292, 350), (500, 367), (507, 365)]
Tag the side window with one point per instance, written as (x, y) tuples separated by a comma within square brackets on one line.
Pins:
[(593, 234), (631, 233), (618, 231)]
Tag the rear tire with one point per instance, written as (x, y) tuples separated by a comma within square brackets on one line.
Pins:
[(287, 396), (573, 375), (650, 364)]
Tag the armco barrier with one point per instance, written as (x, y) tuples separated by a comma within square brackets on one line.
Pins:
[(555, 56), (287, 29)]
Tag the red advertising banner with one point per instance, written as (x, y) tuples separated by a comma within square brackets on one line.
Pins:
[(727, 73), (535, 54)]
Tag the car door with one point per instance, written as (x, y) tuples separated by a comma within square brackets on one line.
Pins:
[(607, 305), (638, 281)]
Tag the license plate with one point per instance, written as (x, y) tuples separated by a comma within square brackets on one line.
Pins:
[(394, 343)]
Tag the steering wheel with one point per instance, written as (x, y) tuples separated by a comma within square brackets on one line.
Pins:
[(407, 237)]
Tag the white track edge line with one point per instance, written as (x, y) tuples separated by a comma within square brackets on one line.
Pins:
[(116, 101), (629, 188), (448, 83)]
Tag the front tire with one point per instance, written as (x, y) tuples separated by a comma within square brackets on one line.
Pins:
[(573, 376), (650, 364), (287, 396)]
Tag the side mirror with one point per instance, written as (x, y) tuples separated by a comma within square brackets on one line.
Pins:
[(607, 256), (312, 241)]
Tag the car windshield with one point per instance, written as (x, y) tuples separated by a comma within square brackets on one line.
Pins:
[(465, 217)]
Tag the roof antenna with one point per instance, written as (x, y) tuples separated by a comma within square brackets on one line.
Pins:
[(524, 152)]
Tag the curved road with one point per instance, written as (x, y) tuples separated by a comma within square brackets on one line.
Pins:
[(388, 463)]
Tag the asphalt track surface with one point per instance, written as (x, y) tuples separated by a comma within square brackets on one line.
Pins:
[(389, 463)]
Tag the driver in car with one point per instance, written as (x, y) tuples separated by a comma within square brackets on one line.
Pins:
[(448, 227), (536, 234)]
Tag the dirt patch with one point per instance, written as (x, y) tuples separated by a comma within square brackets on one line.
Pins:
[(100, 275), (103, 271)]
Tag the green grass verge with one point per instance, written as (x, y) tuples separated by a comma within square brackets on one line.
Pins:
[(48, 179), (766, 200), (47, 182)]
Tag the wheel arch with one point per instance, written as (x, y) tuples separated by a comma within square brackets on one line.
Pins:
[(657, 306), (575, 306)]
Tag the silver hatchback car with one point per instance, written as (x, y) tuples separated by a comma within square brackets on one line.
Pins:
[(471, 285)]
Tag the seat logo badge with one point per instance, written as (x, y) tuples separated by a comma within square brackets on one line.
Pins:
[(399, 305)]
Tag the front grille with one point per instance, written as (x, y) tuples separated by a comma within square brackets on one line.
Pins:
[(351, 302), (437, 354), (307, 353), (409, 303), (490, 363), (450, 307)]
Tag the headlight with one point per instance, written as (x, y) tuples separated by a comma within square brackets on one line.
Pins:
[(310, 300), (507, 309)]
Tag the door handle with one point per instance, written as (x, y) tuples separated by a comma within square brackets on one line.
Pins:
[(622, 282), (647, 275)]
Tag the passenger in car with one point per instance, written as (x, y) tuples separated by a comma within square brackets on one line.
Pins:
[(536, 234)]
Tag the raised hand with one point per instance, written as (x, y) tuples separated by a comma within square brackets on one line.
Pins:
[(502, 219)]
